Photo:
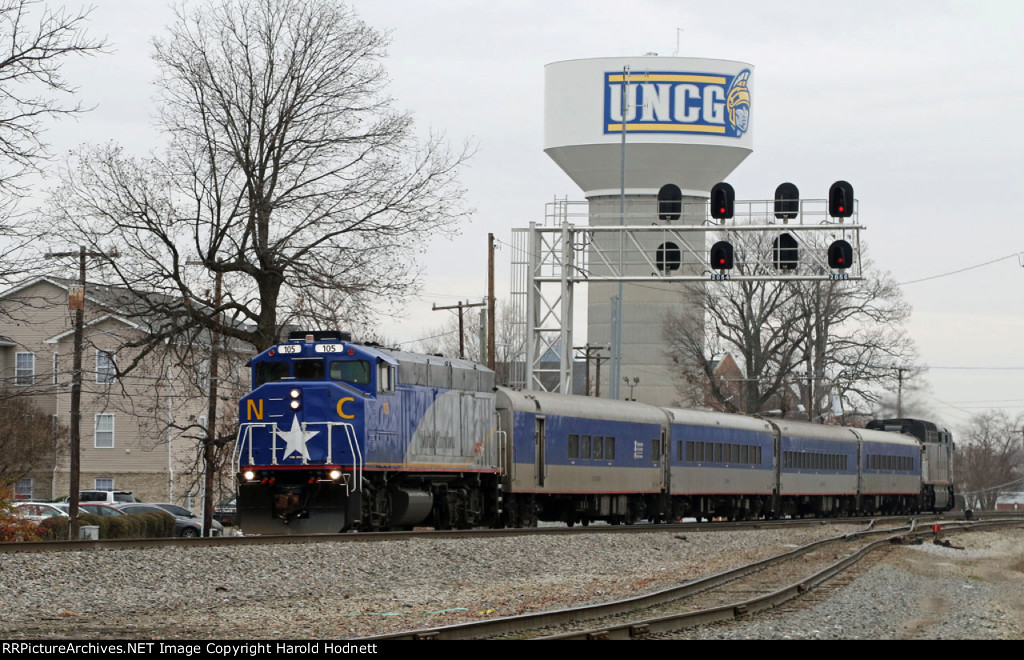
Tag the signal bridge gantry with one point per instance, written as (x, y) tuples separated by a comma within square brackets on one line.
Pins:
[(779, 240)]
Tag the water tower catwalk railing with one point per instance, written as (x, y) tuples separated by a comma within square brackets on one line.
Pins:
[(549, 260)]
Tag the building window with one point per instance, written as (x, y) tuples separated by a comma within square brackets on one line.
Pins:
[(23, 489), (105, 370), (104, 431), (55, 357), (103, 484), (24, 368)]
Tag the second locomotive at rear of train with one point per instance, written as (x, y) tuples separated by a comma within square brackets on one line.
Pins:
[(338, 436)]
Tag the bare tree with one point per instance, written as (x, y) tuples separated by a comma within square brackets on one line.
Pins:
[(746, 319), (28, 438), (288, 172), (853, 340), (800, 343), (35, 42), (988, 459)]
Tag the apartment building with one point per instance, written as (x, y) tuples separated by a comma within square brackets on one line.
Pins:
[(141, 430)]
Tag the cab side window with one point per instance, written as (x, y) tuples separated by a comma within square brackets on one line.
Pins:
[(356, 372), (385, 378)]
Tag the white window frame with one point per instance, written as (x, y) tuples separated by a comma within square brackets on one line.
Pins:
[(105, 372), (55, 357), (19, 374), (103, 483), (97, 431)]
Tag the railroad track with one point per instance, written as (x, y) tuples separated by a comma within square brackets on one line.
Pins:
[(728, 595)]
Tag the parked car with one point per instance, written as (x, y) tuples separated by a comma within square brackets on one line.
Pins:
[(40, 511), (226, 512), (186, 523), (100, 509), (106, 496)]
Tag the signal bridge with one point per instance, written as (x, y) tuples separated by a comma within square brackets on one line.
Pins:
[(776, 240)]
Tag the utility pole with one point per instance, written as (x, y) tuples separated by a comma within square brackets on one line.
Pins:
[(76, 303), (211, 416), (462, 337), (490, 302), (899, 392), (593, 352), (211, 409)]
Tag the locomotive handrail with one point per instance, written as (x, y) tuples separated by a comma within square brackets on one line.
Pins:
[(353, 447), (502, 438), (245, 439), (245, 436)]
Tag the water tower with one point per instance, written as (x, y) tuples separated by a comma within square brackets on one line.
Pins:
[(645, 139)]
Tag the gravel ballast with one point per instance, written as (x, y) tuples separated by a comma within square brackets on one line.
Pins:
[(353, 589)]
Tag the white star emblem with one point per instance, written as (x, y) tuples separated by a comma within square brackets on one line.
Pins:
[(296, 439)]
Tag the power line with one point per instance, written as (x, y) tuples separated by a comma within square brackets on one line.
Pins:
[(962, 270), (972, 368)]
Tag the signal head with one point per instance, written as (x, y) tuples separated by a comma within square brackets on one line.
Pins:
[(785, 252), (723, 199), (840, 254), (787, 201), (722, 256), (840, 200)]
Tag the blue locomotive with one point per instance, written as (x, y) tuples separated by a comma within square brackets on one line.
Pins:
[(341, 436)]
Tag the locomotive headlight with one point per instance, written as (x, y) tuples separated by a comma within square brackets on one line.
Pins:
[(334, 475), (249, 475), (294, 403), (294, 393)]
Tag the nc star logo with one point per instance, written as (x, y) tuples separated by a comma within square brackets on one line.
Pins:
[(296, 439)]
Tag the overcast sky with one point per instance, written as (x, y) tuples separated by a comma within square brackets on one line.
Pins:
[(913, 102)]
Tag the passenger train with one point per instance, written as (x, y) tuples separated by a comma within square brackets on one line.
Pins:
[(337, 436)]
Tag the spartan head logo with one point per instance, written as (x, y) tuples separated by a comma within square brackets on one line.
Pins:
[(737, 101)]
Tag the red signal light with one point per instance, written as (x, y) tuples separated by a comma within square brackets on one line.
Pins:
[(839, 195), (840, 254), (722, 201), (722, 255)]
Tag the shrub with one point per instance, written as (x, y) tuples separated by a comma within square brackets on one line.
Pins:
[(14, 528), (56, 528)]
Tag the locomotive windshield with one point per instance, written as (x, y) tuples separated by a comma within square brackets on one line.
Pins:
[(268, 372), (356, 372)]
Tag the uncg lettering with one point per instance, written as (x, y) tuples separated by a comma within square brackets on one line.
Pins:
[(678, 103)]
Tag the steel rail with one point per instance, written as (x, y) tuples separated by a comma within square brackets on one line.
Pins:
[(517, 625)]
